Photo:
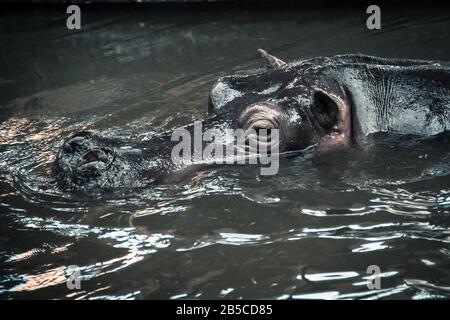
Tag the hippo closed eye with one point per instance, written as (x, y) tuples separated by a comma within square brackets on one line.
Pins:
[(327, 102)]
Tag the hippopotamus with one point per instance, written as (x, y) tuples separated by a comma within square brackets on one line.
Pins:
[(322, 103)]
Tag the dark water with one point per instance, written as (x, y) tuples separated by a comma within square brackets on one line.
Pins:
[(309, 232)]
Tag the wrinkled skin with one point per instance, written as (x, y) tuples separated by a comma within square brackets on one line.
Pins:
[(324, 102)]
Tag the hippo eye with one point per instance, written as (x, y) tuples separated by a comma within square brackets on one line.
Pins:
[(263, 124), (262, 131), (260, 116)]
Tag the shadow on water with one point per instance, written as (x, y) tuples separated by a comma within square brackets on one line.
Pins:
[(309, 232)]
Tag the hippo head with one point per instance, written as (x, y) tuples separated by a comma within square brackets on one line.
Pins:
[(305, 101)]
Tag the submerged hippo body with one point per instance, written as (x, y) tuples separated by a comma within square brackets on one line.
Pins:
[(326, 102)]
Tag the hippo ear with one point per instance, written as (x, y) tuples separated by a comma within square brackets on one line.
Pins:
[(271, 61), (326, 107)]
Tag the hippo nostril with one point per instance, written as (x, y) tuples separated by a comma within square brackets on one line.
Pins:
[(93, 156), (92, 164)]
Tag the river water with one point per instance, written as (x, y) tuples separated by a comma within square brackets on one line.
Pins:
[(311, 231)]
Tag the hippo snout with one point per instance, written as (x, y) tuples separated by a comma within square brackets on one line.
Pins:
[(83, 160), (88, 161), (93, 162), (82, 151)]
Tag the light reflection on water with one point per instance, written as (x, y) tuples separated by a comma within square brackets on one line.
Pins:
[(227, 233)]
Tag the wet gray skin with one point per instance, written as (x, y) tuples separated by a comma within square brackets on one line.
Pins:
[(326, 102)]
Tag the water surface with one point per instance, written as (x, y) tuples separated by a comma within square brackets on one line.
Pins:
[(309, 232)]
